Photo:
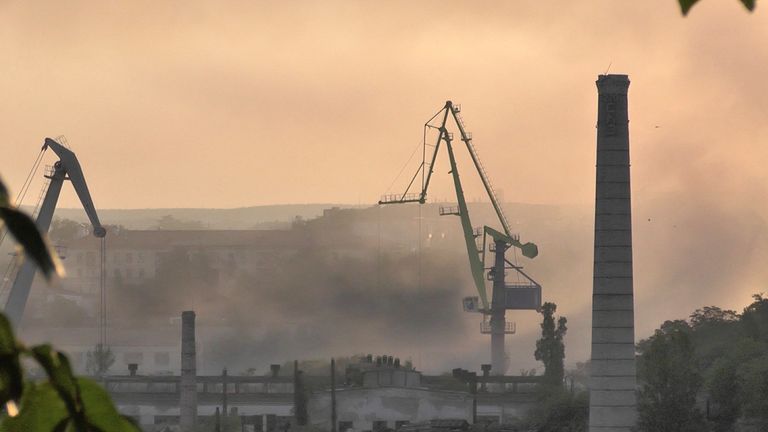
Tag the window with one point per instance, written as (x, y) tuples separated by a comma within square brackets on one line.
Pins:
[(162, 359)]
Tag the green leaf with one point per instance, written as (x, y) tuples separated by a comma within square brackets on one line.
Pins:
[(749, 4), (686, 5), (100, 413), (64, 425), (26, 233), (60, 377), (40, 409), (11, 377)]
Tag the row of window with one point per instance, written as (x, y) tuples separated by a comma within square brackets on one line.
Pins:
[(129, 273), (257, 423), (161, 358), (89, 257)]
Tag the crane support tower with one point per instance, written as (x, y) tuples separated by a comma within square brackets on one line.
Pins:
[(66, 168), (525, 295)]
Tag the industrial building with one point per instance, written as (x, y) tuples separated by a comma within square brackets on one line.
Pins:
[(134, 256), (373, 395)]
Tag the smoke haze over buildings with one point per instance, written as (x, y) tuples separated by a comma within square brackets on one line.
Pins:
[(198, 105)]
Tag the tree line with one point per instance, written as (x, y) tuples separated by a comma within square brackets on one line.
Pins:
[(706, 373)]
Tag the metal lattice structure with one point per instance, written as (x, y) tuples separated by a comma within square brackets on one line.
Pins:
[(522, 296)]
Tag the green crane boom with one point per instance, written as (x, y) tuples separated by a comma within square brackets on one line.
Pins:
[(476, 257)]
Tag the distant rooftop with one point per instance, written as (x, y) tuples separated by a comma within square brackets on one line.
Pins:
[(165, 239)]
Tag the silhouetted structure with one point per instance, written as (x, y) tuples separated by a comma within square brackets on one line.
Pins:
[(612, 403), (188, 384)]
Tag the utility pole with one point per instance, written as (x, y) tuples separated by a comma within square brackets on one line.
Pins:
[(333, 395), (299, 398)]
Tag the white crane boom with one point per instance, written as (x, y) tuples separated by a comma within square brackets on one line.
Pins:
[(67, 168)]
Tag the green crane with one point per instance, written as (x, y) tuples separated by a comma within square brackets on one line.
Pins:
[(476, 254)]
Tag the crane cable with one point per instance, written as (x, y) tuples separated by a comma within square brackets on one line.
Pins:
[(103, 294), (25, 186), (405, 165), (419, 293), (13, 263)]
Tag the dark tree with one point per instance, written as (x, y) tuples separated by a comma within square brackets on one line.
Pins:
[(550, 349), (670, 380), (723, 386), (712, 315), (560, 411), (755, 318), (63, 230)]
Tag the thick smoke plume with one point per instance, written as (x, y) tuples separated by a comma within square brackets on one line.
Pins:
[(313, 304)]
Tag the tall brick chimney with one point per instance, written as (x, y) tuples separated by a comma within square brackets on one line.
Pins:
[(612, 401), (188, 390)]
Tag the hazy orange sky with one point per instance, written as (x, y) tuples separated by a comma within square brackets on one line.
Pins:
[(228, 104), (214, 104)]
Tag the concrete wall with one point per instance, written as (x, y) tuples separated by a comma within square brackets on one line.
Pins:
[(391, 377), (364, 406), (153, 417), (154, 401)]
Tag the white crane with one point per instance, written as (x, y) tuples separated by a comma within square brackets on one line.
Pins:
[(66, 168)]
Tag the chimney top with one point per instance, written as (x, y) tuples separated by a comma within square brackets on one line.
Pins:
[(612, 84)]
